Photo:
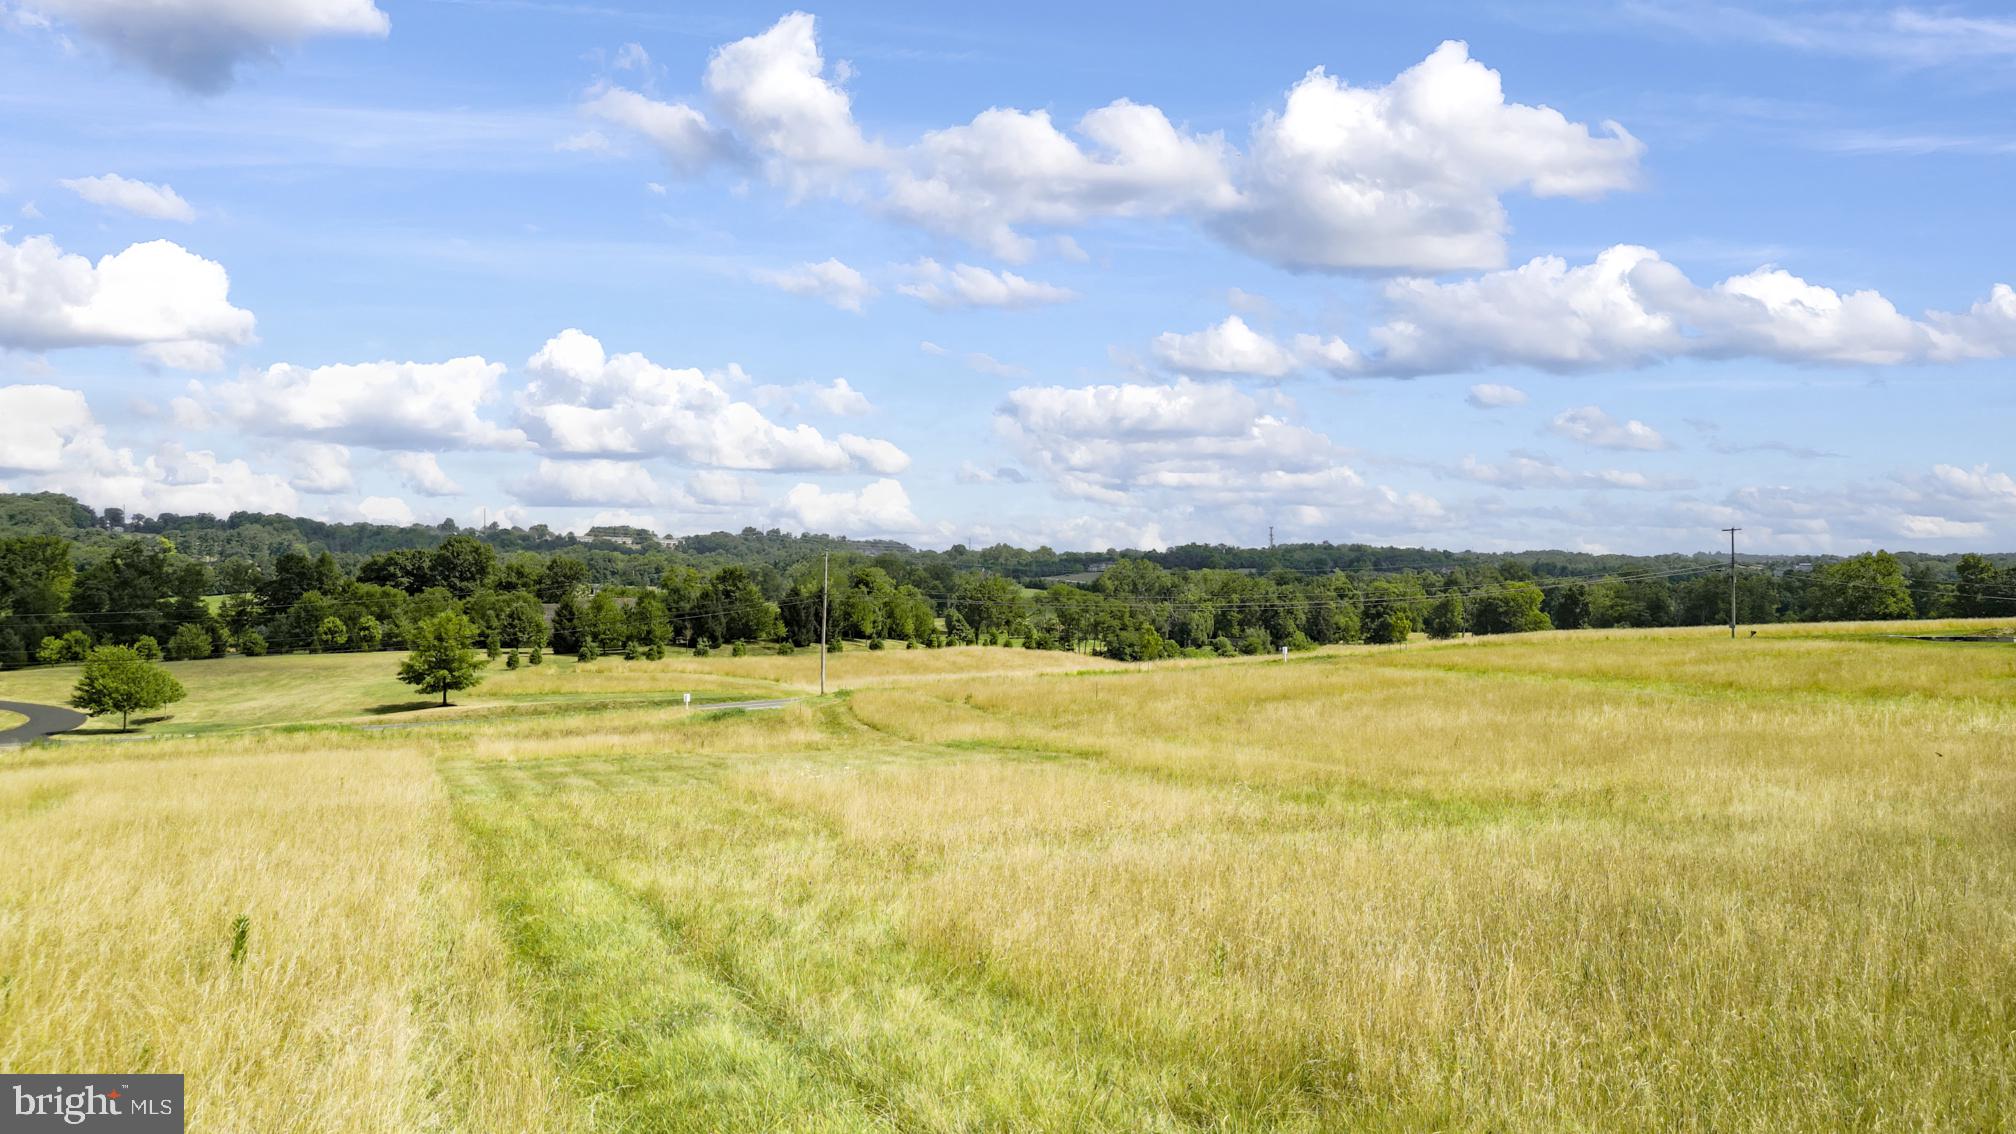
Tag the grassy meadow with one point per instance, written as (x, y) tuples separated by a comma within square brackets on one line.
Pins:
[(1592, 881)]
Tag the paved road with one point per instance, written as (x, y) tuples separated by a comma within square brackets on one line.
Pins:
[(43, 720)]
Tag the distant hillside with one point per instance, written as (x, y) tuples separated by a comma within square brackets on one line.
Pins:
[(632, 555)]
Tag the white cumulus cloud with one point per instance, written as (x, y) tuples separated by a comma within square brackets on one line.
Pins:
[(387, 405), (158, 296), (422, 473), (1406, 176), (881, 508), (584, 402), (321, 467)]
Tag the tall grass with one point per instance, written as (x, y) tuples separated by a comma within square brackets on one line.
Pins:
[(1602, 882)]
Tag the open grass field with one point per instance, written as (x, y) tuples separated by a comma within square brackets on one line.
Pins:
[(1621, 881)]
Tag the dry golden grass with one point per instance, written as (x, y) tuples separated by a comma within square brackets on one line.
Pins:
[(1584, 882), (368, 992)]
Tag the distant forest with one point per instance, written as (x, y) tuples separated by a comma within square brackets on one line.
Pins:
[(197, 586)]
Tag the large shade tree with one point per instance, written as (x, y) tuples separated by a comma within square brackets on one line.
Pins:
[(441, 659)]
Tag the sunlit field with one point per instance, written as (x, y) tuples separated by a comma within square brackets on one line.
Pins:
[(1619, 881)]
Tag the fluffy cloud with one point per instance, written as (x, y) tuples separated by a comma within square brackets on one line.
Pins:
[(1011, 168), (198, 44), (422, 473), (1630, 308), (599, 483), (583, 402), (37, 423), (1406, 176), (1174, 449), (1231, 347), (320, 467), (141, 198), (879, 508), (773, 90), (828, 280), (1491, 395), (680, 133), (874, 454), (1410, 175), (387, 405), (385, 510), (1592, 426), (157, 296), (50, 435), (964, 285)]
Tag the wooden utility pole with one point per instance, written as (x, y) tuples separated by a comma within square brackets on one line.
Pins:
[(1732, 579), (825, 584)]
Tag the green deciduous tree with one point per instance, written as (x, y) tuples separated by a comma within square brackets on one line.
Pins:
[(71, 647), (1446, 619), (1867, 587), (117, 679), (148, 648), (1512, 608), (441, 659), (190, 642)]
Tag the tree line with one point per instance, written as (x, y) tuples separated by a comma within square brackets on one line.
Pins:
[(60, 597)]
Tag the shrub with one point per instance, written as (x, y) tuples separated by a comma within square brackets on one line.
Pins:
[(72, 647), (190, 642), (701, 649), (511, 659), (536, 656), (589, 650), (786, 649), (252, 644), (631, 651), (910, 643), (874, 643), (148, 648), (741, 650)]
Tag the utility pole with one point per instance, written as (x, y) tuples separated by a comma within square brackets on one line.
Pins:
[(825, 583), (1732, 579), (1270, 537)]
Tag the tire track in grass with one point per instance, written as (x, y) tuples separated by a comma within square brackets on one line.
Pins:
[(648, 1040), (924, 1046)]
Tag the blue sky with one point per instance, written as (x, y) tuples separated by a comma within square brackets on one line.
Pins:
[(1495, 276)]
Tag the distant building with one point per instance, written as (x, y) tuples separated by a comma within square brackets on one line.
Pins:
[(622, 536)]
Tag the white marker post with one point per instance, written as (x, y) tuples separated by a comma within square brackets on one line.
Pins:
[(689, 701), (1284, 653)]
